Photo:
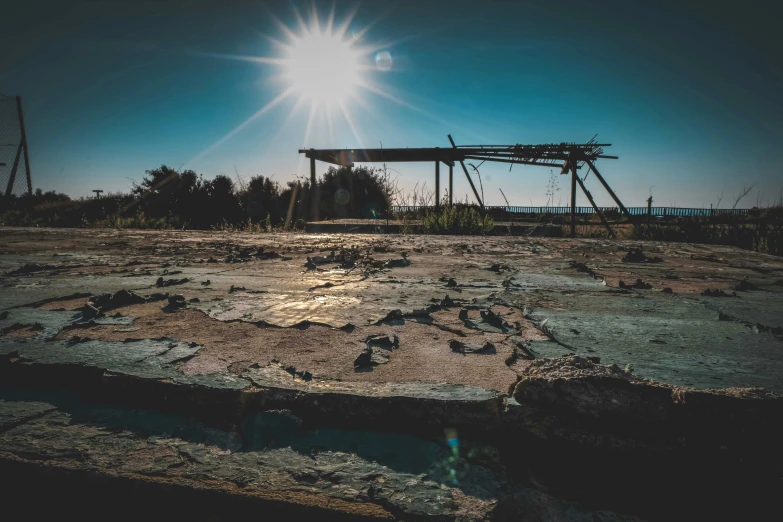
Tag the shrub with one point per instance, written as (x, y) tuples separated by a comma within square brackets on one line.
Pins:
[(457, 220)]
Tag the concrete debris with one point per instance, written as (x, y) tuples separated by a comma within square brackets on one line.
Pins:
[(636, 255), (392, 316), (370, 357), (718, 293), (171, 282), (499, 267), (262, 254), (388, 341), (106, 302), (398, 263), (466, 348), (637, 285), (447, 302), (176, 302), (745, 285), (90, 312), (30, 268)]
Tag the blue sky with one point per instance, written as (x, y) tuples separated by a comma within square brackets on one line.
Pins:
[(690, 97)]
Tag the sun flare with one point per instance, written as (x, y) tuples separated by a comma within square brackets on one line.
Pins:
[(326, 66), (322, 68)]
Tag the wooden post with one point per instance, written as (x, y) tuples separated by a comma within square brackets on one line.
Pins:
[(451, 185), (611, 193), (573, 198), (24, 145), (437, 184), (592, 202), (465, 170), (313, 189), (12, 179)]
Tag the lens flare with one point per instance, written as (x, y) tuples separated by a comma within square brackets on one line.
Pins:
[(383, 61)]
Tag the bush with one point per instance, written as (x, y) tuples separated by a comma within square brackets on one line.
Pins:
[(458, 220)]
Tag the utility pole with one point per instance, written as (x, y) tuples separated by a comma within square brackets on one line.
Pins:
[(21, 149)]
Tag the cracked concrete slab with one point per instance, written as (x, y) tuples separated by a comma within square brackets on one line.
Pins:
[(248, 334)]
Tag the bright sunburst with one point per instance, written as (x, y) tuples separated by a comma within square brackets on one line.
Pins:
[(323, 68)]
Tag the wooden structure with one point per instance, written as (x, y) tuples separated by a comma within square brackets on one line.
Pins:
[(568, 157)]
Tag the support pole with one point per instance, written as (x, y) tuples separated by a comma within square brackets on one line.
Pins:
[(313, 190), (451, 185), (592, 202), (465, 170), (573, 198), (611, 193), (437, 184), (24, 145), (12, 179)]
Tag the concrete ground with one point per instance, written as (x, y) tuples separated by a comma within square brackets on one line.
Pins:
[(446, 324), (554, 296)]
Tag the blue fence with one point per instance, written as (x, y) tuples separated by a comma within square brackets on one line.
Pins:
[(634, 211)]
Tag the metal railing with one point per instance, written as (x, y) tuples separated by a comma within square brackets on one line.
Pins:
[(634, 211)]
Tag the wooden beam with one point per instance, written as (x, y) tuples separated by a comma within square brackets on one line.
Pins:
[(592, 202), (451, 185), (573, 202), (611, 193), (12, 179), (24, 145), (465, 170), (437, 184), (313, 191)]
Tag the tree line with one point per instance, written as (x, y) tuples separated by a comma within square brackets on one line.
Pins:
[(169, 198)]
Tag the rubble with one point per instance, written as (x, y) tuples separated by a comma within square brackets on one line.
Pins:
[(466, 348), (636, 255)]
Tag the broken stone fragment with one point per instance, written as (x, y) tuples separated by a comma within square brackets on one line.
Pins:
[(398, 263), (393, 315), (638, 285), (451, 282), (90, 312), (465, 348), (718, 293), (492, 318), (170, 282), (4, 314), (636, 255), (176, 301), (498, 267), (447, 302), (389, 341), (745, 285), (121, 298), (369, 358)]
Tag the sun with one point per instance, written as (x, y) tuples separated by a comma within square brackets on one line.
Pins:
[(326, 66), (323, 68)]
